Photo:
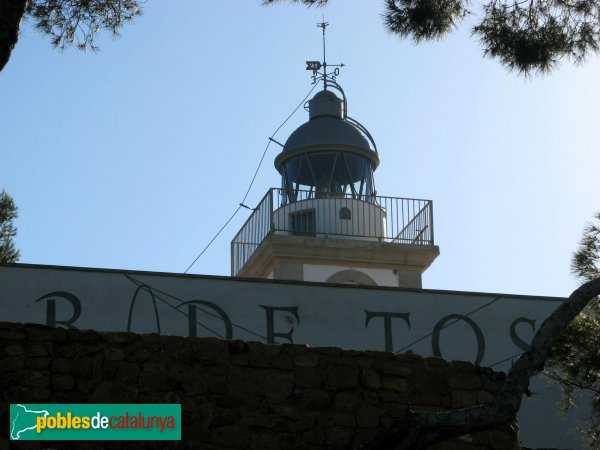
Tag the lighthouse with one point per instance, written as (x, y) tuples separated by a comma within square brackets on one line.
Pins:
[(327, 222)]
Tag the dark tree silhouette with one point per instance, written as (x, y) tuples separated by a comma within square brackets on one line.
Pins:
[(575, 362), (67, 22), (8, 213), (420, 430)]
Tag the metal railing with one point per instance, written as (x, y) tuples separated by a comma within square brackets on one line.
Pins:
[(344, 216)]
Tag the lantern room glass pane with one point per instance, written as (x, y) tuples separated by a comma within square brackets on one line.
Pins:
[(326, 175)]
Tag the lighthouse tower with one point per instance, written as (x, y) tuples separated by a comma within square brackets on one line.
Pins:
[(327, 223)]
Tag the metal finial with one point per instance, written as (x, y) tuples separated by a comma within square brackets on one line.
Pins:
[(324, 25), (316, 65)]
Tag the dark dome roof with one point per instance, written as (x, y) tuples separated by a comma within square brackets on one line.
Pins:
[(326, 131)]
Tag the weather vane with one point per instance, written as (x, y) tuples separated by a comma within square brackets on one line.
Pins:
[(315, 66)]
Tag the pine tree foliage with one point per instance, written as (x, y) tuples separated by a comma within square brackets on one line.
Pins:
[(526, 36), (533, 35), (8, 213), (423, 20), (78, 22), (420, 430), (575, 362), (67, 22)]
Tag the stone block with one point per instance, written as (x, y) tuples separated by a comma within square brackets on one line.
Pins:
[(120, 337), (137, 353), (499, 440), (128, 372), (194, 383), (269, 440), (347, 401), (425, 399), (88, 366), (364, 435), (218, 384), (68, 397), (339, 436), (395, 367), (344, 360), (312, 399), (315, 436), (40, 394), (151, 338), (345, 419), (34, 378), (329, 351), (257, 347), (63, 382), (229, 400), (240, 359), (271, 350), (39, 363), (12, 333), (436, 362), (91, 348), (113, 392), (114, 354), (39, 349), (461, 399), (65, 351), (110, 369), (306, 360), (85, 385), (395, 384), (265, 421), (289, 411), (231, 437), (308, 377), (278, 385), (159, 397), (305, 422), (396, 410), (39, 333), (464, 383), (367, 417), (62, 365), (339, 378), (387, 421), (83, 335), (485, 397), (14, 349), (363, 362), (259, 360), (282, 362), (12, 364), (435, 381), (370, 379), (379, 355)]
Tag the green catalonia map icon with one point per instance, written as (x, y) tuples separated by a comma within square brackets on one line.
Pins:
[(23, 421)]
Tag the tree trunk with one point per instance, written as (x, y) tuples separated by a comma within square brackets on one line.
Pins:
[(418, 431), (11, 14)]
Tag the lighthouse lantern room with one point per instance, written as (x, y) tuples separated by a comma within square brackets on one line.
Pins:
[(326, 223)]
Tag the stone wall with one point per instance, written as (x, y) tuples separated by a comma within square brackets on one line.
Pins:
[(238, 394)]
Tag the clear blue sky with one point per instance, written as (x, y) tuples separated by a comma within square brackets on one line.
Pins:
[(134, 157)]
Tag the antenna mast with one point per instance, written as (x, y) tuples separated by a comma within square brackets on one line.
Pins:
[(315, 66), (324, 25)]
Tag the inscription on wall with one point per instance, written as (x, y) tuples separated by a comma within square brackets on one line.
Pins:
[(482, 328)]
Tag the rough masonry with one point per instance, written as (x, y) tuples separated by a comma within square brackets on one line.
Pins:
[(239, 395)]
